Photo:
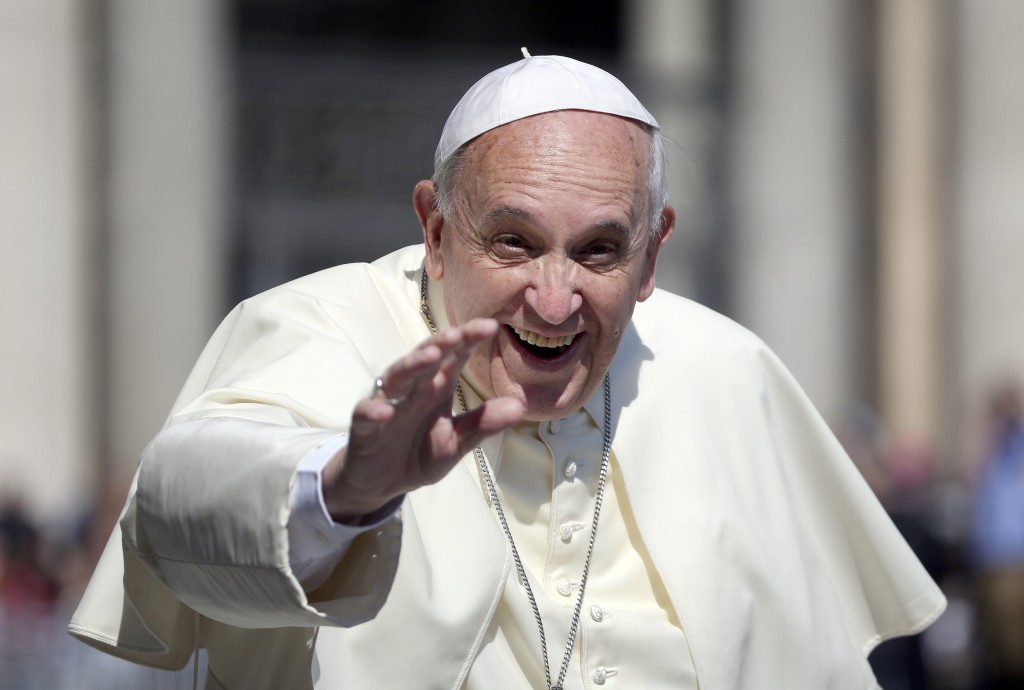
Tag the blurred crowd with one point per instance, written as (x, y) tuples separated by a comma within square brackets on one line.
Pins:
[(964, 519), (43, 572)]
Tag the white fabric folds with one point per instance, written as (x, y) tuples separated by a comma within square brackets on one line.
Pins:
[(781, 565)]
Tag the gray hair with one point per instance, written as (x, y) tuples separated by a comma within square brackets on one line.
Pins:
[(447, 174)]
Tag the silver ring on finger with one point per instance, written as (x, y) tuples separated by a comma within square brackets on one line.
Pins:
[(378, 389)]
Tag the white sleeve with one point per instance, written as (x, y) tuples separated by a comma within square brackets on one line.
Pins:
[(315, 541)]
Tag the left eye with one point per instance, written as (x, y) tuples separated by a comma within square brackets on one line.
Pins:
[(599, 253), (512, 242)]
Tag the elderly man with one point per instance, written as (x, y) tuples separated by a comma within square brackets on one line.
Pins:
[(502, 459)]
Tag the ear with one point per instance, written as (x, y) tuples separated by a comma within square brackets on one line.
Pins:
[(424, 200), (668, 224)]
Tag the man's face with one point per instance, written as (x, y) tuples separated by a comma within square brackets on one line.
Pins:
[(550, 238)]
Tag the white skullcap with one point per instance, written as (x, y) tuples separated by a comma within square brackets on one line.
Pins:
[(532, 86)]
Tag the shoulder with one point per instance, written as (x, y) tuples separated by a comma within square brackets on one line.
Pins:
[(367, 310), (676, 348), (676, 329), (350, 286), (358, 301)]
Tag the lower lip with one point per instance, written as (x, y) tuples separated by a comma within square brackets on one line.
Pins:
[(544, 362)]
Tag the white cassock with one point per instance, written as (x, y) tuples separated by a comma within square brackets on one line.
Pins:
[(742, 549)]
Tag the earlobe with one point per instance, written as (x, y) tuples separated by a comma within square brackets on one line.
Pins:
[(424, 201), (668, 223)]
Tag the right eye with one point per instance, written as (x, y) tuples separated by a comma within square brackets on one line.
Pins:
[(510, 246)]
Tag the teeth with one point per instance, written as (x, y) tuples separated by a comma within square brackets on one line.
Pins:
[(543, 341)]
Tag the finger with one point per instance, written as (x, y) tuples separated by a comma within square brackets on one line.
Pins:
[(399, 380), (492, 417), (478, 330), (473, 333), (466, 336), (415, 376), (418, 364), (369, 415)]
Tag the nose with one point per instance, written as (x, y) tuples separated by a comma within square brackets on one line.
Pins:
[(553, 293)]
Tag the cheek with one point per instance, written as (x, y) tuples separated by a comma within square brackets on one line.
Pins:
[(619, 311), (459, 278), (471, 293), (492, 292), (617, 302)]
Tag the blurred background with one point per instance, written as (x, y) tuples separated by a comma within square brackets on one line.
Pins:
[(849, 179)]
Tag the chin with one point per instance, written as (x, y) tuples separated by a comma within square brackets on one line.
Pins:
[(543, 395), (545, 415), (544, 406)]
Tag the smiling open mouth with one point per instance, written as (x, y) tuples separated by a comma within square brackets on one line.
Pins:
[(542, 346)]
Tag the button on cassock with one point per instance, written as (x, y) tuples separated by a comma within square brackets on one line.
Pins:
[(568, 529)]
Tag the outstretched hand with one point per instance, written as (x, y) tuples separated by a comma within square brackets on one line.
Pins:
[(406, 436)]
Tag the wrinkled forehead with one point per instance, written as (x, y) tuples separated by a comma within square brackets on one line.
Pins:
[(589, 166), (564, 139)]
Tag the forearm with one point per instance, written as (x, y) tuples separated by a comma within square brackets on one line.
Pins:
[(211, 514)]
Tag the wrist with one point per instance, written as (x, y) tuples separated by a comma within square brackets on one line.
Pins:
[(348, 504)]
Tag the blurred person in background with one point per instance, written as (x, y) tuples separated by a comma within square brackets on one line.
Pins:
[(502, 458), (997, 540), (27, 597), (901, 473), (25, 587)]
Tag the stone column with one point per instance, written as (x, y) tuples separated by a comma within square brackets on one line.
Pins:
[(796, 271), (169, 97), (47, 347), (910, 251), (669, 48), (988, 242)]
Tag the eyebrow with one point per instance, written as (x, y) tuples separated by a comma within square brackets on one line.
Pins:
[(615, 226), (511, 212), (508, 212)]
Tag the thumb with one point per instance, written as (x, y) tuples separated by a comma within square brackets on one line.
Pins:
[(492, 417)]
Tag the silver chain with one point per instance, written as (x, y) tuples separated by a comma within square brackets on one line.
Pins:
[(492, 490)]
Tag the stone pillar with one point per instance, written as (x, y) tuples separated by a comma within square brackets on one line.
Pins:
[(669, 49), (988, 242), (795, 267), (169, 97), (47, 347), (910, 252)]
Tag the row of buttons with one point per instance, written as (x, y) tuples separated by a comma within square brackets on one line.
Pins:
[(601, 674), (566, 531), (565, 587)]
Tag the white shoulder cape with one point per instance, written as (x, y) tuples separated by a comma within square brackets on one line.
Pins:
[(783, 568)]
